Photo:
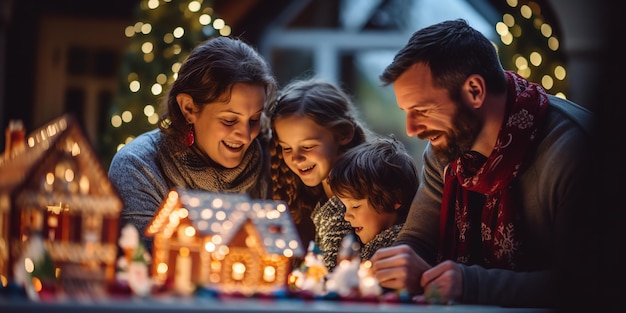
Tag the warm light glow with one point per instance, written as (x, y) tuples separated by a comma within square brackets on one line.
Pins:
[(535, 58), (553, 43), (147, 47), (116, 121), (75, 149), (184, 252), (146, 28), (218, 23), (129, 31), (521, 62), (194, 6), (225, 31), (137, 27), (190, 231), (69, 175), (204, 19), (526, 12), (29, 265), (206, 214), (153, 119), (161, 79), (217, 203), (178, 32), (153, 4), (134, 86), (250, 242), (293, 244), (273, 214), (209, 246), (281, 207), (168, 38), (269, 274), (156, 89), (148, 57), (148, 110), (502, 29), (49, 178), (559, 72), (547, 82), (53, 221), (223, 250), (162, 268), (182, 212), (524, 72), (239, 271), (508, 19), (37, 284), (84, 184), (546, 30), (217, 239), (506, 39), (127, 116)]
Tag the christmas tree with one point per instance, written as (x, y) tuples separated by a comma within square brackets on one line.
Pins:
[(531, 45), (162, 36)]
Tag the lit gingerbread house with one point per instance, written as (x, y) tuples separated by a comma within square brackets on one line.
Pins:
[(56, 191), (225, 242)]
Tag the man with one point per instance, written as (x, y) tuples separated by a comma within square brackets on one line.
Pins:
[(502, 174)]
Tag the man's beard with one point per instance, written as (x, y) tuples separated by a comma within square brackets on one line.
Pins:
[(467, 124)]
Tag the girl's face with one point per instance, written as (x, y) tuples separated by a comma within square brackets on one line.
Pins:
[(225, 130), (309, 150), (367, 223)]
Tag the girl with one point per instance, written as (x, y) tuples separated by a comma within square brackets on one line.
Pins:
[(313, 122), (376, 181)]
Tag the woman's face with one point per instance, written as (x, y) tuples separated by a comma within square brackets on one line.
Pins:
[(309, 150), (225, 130)]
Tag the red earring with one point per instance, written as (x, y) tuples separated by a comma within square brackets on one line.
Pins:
[(189, 138)]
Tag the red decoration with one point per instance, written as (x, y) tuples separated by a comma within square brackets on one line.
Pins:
[(190, 139)]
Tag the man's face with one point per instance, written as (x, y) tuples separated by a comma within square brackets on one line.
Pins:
[(432, 114)]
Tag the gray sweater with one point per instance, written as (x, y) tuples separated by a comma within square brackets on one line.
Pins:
[(550, 188)]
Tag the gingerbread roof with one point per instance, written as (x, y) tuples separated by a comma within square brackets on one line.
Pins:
[(222, 216)]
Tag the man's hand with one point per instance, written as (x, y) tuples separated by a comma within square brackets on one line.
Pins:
[(443, 284), (399, 267)]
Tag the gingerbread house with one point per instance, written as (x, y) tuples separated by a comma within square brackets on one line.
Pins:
[(56, 189), (226, 242)]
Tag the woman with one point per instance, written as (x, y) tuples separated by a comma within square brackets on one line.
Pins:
[(208, 138)]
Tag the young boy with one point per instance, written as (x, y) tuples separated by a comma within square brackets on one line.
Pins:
[(376, 181)]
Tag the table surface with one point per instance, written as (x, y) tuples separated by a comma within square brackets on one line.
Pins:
[(213, 305)]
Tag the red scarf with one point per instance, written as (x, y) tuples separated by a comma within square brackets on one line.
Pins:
[(479, 221)]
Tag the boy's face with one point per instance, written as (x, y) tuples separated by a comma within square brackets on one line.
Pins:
[(367, 222)]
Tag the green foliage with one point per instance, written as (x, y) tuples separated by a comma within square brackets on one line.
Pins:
[(159, 27)]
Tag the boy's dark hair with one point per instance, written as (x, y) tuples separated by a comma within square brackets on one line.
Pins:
[(380, 171)]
